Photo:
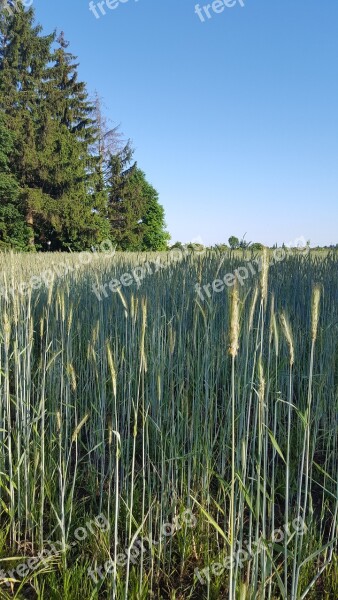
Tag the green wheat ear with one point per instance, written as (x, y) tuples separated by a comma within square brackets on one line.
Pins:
[(252, 308), (79, 427), (262, 382), (131, 409), (289, 337)]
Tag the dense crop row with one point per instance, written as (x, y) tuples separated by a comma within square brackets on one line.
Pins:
[(153, 406)]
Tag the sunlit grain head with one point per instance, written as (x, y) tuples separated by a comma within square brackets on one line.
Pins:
[(315, 311), (234, 322), (288, 335)]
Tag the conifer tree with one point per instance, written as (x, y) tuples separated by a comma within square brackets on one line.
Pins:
[(14, 233), (124, 200), (72, 184), (24, 55), (48, 110), (78, 214), (136, 217)]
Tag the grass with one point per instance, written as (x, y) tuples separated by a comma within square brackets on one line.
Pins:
[(154, 401)]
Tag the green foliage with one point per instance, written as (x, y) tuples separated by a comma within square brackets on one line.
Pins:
[(70, 188), (136, 217), (178, 245), (196, 247), (24, 57), (14, 233), (257, 246), (124, 407), (233, 242), (124, 199), (154, 235)]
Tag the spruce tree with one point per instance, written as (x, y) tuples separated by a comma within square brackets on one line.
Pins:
[(107, 143), (124, 199), (24, 56), (78, 214), (14, 233), (136, 217), (48, 111), (74, 187)]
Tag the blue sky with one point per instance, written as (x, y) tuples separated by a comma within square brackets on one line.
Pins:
[(234, 120)]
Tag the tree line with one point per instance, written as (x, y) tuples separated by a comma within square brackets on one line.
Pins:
[(67, 180)]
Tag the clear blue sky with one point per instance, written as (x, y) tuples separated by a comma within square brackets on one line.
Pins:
[(234, 120)]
